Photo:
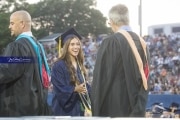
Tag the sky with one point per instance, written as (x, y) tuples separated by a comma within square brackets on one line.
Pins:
[(154, 12)]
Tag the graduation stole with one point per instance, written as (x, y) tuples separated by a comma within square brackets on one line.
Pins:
[(144, 70)]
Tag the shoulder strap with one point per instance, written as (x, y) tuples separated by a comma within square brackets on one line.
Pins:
[(136, 54)]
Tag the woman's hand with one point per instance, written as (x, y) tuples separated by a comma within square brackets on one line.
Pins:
[(80, 88)]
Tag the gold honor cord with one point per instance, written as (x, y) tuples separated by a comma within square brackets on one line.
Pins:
[(59, 47), (85, 100)]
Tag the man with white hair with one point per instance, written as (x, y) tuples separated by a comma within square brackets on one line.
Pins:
[(119, 86)]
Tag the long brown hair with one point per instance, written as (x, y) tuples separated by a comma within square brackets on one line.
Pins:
[(66, 57)]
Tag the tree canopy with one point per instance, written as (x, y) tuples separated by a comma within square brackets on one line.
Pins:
[(54, 16)]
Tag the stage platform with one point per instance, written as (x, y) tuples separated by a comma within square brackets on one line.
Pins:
[(76, 118)]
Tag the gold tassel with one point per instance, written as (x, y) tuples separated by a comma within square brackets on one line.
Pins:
[(59, 48)]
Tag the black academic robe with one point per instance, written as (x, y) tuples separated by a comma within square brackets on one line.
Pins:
[(117, 89), (21, 89)]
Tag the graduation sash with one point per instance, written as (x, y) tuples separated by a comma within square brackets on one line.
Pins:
[(144, 70)]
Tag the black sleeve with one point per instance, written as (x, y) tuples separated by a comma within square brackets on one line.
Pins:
[(11, 71)]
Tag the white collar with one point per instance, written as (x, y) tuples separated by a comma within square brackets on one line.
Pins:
[(125, 27), (29, 33)]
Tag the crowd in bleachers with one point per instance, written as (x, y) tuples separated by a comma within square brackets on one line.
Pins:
[(165, 64), (90, 48)]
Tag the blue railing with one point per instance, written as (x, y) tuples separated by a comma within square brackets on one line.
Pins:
[(165, 99)]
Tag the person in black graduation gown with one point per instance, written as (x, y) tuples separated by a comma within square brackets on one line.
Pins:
[(117, 89), (67, 78), (21, 90)]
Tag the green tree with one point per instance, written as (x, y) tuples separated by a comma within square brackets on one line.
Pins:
[(5, 37), (6, 7), (52, 16)]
